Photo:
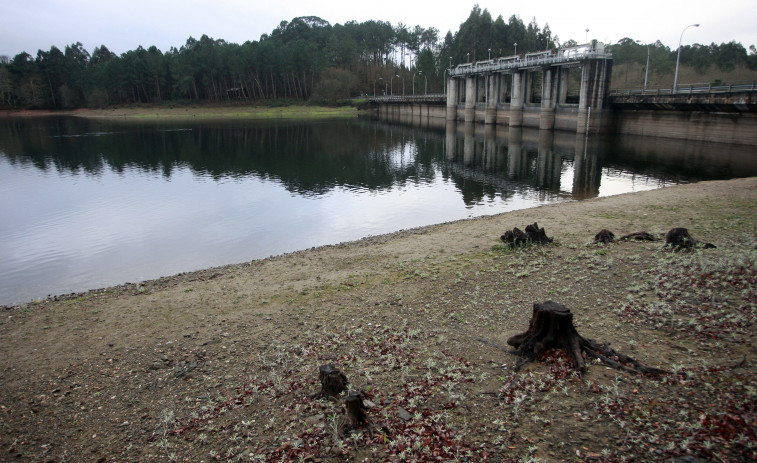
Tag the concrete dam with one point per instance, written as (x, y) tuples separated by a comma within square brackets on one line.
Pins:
[(570, 90)]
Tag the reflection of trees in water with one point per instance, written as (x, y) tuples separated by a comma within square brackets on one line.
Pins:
[(308, 158), (484, 162)]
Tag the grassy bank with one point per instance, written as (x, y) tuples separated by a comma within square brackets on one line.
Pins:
[(199, 112), (221, 112), (222, 364)]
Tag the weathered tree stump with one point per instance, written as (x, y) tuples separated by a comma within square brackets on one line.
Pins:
[(551, 327), (638, 236), (333, 381), (355, 416), (532, 235), (680, 239), (604, 236)]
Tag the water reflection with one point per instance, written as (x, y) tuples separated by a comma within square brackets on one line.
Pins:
[(568, 165)]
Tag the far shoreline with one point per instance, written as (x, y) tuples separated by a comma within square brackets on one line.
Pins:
[(193, 112)]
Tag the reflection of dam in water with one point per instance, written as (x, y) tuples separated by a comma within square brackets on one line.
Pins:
[(567, 165), (559, 165)]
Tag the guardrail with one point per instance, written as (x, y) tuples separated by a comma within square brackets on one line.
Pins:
[(527, 62), (430, 98), (690, 89)]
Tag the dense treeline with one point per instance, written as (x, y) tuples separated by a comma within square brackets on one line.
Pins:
[(303, 60), (725, 57)]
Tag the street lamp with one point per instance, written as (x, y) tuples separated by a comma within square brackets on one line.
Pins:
[(490, 54), (646, 70), (374, 86), (468, 60), (515, 45), (678, 57), (587, 35)]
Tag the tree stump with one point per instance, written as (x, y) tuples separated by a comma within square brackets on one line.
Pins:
[(551, 327), (604, 236), (333, 381), (680, 239), (355, 416), (532, 235)]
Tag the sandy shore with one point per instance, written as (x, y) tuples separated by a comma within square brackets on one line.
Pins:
[(220, 364)]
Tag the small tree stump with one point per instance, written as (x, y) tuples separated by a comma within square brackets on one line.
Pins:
[(355, 416), (532, 235), (604, 236), (551, 327), (680, 239), (333, 381)]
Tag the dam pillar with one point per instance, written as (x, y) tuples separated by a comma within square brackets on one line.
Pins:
[(490, 116), (451, 99), (595, 79), (562, 85), (516, 100), (470, 98), (548, 99)]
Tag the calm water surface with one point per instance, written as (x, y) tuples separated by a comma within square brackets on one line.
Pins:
[(87, 204)]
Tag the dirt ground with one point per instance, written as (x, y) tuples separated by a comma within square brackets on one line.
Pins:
[(222, 364)]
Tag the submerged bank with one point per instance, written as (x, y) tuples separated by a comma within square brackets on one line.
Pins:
[(220, 363)]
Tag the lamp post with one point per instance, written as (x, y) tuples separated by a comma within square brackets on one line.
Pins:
[(587, 35), (414, 81), (678, 57), (515, 45), (468, 59), (490, 54), (374, 86), (646, 70)]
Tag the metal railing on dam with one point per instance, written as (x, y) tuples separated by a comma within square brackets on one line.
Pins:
[(439, 98), (690, 89), (562, 57)]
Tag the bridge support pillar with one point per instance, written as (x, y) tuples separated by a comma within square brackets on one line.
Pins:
[(490, 116), (516, 100), (451, 99), (562, 85), (595, 79), (548, 99), (470, 99)]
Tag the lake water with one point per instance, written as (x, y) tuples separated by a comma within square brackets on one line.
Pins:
[(87, 204)]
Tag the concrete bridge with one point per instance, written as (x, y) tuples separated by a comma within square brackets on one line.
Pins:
[(566, 89), (570, 90)]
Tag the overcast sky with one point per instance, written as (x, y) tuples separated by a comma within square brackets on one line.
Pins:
[(30, 25)]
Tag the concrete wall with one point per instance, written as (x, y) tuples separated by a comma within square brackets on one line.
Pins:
[(738, 128)]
